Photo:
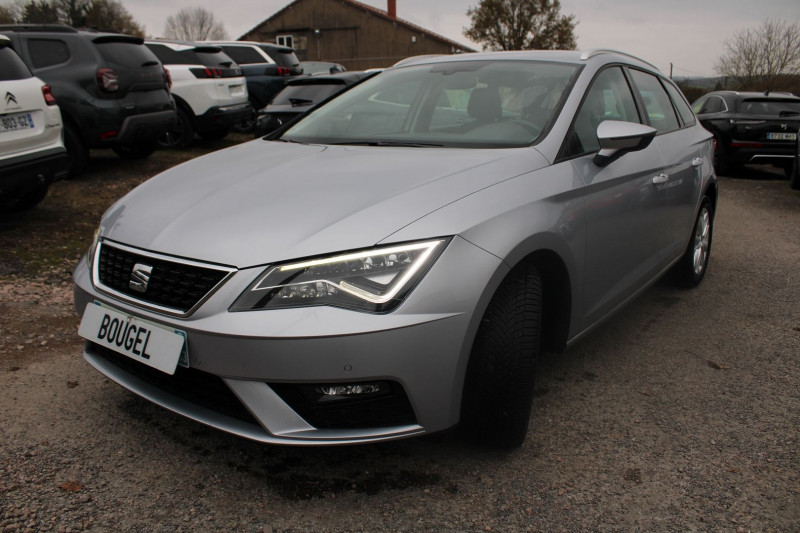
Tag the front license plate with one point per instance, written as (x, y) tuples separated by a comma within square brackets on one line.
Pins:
[(142, 340), (19, 121), (782, 136)]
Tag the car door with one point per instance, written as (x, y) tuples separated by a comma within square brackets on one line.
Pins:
[(624, 209), (682, 148)]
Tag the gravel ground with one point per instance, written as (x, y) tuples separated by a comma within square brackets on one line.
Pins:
[(679, 414)]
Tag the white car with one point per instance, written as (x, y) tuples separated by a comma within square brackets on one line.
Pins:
[(32, 153), (209, 88)]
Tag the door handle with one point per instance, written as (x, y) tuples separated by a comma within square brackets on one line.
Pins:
[(697, 161), (661, 178)]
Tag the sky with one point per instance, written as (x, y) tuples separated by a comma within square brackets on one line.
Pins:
[(686, 36)]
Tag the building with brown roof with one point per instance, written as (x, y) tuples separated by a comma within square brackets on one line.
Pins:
[(351, 33)]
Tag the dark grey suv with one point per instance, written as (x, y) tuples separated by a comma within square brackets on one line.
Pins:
[(112, 91)]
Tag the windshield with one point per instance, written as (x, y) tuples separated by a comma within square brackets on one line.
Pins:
[(484, 104)]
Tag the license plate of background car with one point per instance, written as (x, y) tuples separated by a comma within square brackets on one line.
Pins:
[(782, 136), (18, 121), (144, 341)]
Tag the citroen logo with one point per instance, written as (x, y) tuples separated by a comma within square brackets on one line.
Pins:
[(10, 98), (140, 277)]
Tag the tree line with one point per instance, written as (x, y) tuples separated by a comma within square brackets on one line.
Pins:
[(193, 24)]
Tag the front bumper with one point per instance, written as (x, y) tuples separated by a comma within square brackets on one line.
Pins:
[(250, 358)]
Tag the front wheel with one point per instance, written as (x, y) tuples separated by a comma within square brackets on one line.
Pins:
[(692, 267), (498, 390)]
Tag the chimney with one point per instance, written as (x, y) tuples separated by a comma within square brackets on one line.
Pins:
[(391, 9)]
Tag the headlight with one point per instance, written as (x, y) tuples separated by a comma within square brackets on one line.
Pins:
[(374, 280), (93, 248)]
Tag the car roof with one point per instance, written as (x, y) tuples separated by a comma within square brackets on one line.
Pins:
[(94, 34), (271, 46), (755, 94), (565, 56), (182, 46)]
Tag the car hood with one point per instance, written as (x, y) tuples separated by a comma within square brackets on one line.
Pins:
[(267, 201)]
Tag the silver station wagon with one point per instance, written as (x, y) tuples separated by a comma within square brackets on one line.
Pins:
[(392, 263)]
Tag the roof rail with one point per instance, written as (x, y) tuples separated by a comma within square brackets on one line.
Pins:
[(586, 54), (59, 28)]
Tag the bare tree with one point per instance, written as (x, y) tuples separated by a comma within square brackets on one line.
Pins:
[(73, 12), (112, 15), (11, 11), (763, 57), (521, 25), (194, 24)]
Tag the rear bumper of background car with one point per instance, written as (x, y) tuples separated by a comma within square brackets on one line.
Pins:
[(776, 153), (146, 127), (223, 117), (255, 373), (26, 173)]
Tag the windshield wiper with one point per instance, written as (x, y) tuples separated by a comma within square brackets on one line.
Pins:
[(296, 102), (389, 143), (788, 113)]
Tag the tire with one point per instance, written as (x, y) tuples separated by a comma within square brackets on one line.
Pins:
[(135, 151), (498, 389), (77, 150), (180, 136), (794, 175), (692, 267), (27, 200), (213, 135)]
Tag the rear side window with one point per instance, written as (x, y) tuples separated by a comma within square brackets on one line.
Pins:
[(715, 104), (168, 56), (11, 66), (127, 55), (245, 55), (214, 59), (772, 107), (680, 104), (656, 102), (48, 52)]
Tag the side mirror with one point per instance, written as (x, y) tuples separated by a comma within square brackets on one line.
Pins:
[(618, 138)]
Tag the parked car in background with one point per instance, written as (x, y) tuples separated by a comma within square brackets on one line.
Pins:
[(209, 89), (111, 89), (394, 262), (266, 67), (32, 153), (300, 95), (321, 67), (750, 127)]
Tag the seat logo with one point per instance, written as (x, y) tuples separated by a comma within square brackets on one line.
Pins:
[(140, 277), (10, 98)]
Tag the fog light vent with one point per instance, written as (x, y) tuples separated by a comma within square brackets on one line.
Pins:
[(327, 393)]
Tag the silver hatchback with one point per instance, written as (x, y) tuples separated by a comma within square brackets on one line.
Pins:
[(393, 263)]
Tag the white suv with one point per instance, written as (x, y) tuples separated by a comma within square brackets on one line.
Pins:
[(32, 153), (209, 89)]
